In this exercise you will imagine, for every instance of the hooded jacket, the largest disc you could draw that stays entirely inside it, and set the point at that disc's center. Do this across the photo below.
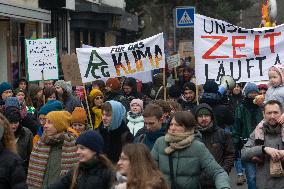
(220, 145)
(117, 134)
(247, 116)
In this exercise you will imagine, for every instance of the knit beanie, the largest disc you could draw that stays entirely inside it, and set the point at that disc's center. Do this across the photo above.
(4, 87)
(60, 119)
(137, 101)
(262, 87)
(113, 83)
(79, 115)
(210, 87)
(94, 93)
(61, 83)
(250, 87)
(203, 111)
(13, 114)
(12, 102)
(279, 68)
(189, 86)
(51, 105)
(92, 140)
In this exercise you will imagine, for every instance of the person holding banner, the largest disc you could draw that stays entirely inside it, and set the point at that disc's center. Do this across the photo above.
(113, 91)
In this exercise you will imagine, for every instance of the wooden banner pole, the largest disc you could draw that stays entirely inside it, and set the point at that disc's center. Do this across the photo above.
(164, 83)
(88, 109)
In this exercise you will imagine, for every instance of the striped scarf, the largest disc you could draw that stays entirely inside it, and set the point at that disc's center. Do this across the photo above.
(39, 159)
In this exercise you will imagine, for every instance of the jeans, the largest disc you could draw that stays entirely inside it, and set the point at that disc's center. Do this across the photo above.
(250, 169)
(238, 163)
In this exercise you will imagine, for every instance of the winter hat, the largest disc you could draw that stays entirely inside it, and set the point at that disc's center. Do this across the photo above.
(12, 114)
(250, 87)
(94, 93)
(113, 83)
(137, 101)
(92, 140)
(189, 86)
(79, 115)
(279, 69)
(62, 84)
(210, 87)
(33, 90)
(4, 87)
(262, 87)
(203, 111)
(51, 105)
(60, 119)
(12, 102)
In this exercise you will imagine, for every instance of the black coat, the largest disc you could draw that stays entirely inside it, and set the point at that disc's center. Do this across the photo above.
(95, 176)
(12, 174)
(115, 139)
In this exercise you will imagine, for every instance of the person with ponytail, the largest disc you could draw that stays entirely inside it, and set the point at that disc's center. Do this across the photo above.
(94, 169)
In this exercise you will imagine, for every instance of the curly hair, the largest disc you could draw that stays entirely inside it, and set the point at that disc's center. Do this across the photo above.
(8, 139)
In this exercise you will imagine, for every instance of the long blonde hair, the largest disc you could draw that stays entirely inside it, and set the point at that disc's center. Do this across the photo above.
(102, 158)
(8, 139)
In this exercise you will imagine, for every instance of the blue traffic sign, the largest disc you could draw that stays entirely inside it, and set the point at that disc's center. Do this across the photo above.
(185, 17)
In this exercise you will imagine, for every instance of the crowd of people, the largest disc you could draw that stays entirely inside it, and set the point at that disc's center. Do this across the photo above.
(131, 137)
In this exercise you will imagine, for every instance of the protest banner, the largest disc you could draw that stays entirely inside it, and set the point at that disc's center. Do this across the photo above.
(41, 59)
(122, 60)
(173, 61)
(70, 69)
(222, 49)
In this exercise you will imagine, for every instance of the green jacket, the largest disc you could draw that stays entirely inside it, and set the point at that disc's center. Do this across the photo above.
(246, 119)
(188, 164)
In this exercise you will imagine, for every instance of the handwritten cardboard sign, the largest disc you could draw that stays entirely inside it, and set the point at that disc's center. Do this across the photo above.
(173, 61)
(41, 59)
(71, 69)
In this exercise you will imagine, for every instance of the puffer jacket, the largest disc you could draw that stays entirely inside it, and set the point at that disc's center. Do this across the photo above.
(91, 175)
(275, 93)
(188, 164)
(135, 124)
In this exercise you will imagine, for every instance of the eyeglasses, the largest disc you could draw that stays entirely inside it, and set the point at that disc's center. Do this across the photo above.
(99, 98)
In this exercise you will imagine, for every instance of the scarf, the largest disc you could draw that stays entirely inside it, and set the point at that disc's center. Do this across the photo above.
(178, 141)
(204, 129)
(97, 111)
(50, 140)
(151, 137)
(261, 128)
(39, 158)
(134, 115)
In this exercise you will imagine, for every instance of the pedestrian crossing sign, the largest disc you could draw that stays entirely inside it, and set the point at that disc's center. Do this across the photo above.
(185, 17)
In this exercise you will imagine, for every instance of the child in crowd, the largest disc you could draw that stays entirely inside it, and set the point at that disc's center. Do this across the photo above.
(276, 87)
(79, 120)
(135, 117)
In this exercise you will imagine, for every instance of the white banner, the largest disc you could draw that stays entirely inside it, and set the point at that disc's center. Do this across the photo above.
(42, 59)
(222, 49)
(122, 60)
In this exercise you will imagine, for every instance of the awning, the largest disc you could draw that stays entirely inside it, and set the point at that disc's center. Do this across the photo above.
(85, 6)
(13, 11)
